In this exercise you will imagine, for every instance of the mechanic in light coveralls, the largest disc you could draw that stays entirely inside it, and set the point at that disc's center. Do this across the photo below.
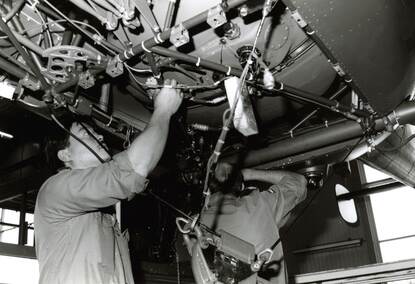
(75, 241)
(256, 217)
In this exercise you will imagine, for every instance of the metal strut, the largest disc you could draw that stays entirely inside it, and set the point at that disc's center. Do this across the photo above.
(324, 49)
(165, 35)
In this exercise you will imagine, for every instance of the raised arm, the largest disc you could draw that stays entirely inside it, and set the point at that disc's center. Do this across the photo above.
(287, 190)
(146, 150)
(272, 176)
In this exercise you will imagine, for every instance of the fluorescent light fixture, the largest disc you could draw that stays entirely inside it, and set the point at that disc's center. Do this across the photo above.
(6, 90)
(5, 135)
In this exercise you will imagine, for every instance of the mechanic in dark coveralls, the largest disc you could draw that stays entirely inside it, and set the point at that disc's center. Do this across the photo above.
(255, 217)
(75, 241)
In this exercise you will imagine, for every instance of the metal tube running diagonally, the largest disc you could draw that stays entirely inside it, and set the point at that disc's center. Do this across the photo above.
(24, 54)
(324, 49)
(15, 70)
(323, 137)
(197, 61)
(165, 35)
(282, 89)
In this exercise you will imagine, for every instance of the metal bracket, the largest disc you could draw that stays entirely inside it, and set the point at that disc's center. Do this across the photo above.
(64, 59)
(29, 83)
(263, 257)
(338, 69)
(147, 14)
(179, 35)
(391, 121)
(112, 21)
(115, 67)
(216, 17)
(86, 80)
(299, 19)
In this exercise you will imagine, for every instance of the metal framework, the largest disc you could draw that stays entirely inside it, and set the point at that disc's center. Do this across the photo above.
(374, 273)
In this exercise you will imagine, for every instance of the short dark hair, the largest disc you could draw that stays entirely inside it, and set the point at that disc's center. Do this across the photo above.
(59, 140)
(233, 185)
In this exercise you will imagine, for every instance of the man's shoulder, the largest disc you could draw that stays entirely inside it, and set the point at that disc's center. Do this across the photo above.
(54, 181)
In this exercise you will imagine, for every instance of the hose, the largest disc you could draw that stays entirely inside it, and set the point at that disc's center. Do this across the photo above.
(14, 10)
(24, 54)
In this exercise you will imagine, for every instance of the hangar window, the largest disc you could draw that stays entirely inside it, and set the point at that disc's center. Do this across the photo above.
(347, 208)
(11, 261)
(9, 227)
(393, 217)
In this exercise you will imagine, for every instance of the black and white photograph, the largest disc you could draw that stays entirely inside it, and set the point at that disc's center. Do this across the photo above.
(207, 141)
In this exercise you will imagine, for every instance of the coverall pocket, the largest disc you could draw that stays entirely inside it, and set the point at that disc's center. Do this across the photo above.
(107, 246)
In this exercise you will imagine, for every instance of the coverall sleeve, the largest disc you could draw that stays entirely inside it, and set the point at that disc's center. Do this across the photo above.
(75, 192)
(285, 195)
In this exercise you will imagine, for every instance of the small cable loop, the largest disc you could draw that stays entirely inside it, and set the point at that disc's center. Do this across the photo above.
(229, 71)
(221, 141)
(179, 226)
(109, 123)
(198, 61)
(158, 36)
(145, 48)
(126, 54)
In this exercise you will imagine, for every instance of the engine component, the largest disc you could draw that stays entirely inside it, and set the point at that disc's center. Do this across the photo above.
(30, 83)
(115, 67)
(216, 17)
(145, 11)
(179, 35)
(326, 136)
(243, 55)
(86, 80)
(231, 30)
(66, 59)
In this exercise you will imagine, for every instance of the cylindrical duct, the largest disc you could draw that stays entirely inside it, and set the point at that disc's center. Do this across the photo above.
(395, 156)
(326, 136)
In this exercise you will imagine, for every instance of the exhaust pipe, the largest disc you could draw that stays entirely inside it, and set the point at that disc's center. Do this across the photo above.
(339, 132)
(395, 156)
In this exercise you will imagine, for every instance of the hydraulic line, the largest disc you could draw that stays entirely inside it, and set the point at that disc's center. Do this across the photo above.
(28, 43)
(228, 70)
(288, 91)
(24, 54)
(16, 62)
(55, 13)
(213, 159)
(21, 31)
(326, 103)
(308, 116)
(85, 7)
(17, 6)
(104, 4)
(324, 49)
(170, 13)
(154, 68)
(303, 96)
(15, 70)
(165, 35)
(325, 136)
(67, 37)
